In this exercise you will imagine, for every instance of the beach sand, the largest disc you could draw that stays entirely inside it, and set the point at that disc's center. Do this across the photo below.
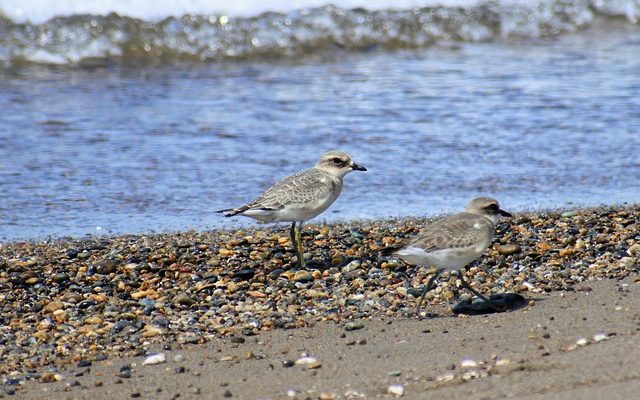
(531, 353)
(234, 318)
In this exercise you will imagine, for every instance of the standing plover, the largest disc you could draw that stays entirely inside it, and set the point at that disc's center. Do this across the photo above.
(451, 243)
(301, 196)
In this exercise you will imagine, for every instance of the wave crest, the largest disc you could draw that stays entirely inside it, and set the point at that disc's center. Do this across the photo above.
(86, 39)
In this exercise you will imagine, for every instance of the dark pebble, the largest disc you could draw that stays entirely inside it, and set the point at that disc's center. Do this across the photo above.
(288, 363)
(105, 267)
(244, 274)
(125, 372)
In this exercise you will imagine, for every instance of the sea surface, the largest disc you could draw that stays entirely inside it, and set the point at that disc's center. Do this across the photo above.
(139, 117)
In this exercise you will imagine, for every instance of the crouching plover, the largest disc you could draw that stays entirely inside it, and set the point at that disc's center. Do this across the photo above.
(301, 196)
(451, 243)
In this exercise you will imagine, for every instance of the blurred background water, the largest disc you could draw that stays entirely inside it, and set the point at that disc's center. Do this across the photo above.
(128, 117)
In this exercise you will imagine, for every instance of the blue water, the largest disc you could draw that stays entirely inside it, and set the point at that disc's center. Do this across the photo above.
(536, 123)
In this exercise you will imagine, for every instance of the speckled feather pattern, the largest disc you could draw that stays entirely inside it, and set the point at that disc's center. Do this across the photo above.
(458, 231)
(311, 188)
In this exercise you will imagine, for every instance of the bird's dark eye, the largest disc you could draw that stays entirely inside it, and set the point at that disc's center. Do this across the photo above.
(337, 161)
(492, 207)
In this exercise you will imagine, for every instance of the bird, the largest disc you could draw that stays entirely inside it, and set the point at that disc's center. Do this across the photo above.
(301, 196)
(451, 243)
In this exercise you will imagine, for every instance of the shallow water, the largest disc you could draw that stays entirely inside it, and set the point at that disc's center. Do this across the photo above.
(536, 123)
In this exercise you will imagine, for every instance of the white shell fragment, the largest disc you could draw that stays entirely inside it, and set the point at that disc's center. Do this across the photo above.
(581, 341)
(468, 363)
(396, 390)
(600, 336)
(154, 359)
(306, 360)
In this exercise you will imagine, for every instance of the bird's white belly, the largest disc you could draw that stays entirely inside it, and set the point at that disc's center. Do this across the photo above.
(449, 259)
(292, 212)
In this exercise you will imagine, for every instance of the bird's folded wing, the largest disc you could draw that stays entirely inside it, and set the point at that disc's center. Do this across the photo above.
(302, 188)
(462, 231)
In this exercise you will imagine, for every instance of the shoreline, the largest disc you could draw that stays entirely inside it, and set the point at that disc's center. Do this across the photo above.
(95, 300)
(247, 224)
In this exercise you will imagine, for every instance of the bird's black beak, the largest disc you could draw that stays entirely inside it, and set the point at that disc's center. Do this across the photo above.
(505, 213)
(357, 167)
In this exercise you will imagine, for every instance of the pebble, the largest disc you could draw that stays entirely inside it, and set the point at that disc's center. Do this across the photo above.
(509, 249)
(154, 359)
(104, 296)
(353, 326)
(178, 358)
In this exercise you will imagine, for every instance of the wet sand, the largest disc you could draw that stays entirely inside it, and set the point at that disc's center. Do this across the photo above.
(532, 353)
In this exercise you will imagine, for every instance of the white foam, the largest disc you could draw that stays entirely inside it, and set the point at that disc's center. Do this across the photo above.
(37, 11)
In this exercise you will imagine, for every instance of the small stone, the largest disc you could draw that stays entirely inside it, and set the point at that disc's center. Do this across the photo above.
(509, 249)
(154, 359)
(179, 358)
(105, 267)
(51, 377)
(353, 326)
(244, 274)
(256, 294)
(184, 300)
(124, 372)
(394, 373)
(566, 252)
(581, 341)
(303, 276)
(53, 306)
(227, 393)
(396, 390)
(634, 249)
(288, 363)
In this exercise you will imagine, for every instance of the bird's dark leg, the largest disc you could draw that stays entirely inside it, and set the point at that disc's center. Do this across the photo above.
(467, 286)
(294, 240)
(430, 285)
(292, 235)
(297, 232)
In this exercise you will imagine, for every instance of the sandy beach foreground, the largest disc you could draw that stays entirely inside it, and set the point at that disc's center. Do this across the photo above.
(233, 318)
(566, 345)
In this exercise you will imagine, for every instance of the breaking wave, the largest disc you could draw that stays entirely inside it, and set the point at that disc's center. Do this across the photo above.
(88, 39)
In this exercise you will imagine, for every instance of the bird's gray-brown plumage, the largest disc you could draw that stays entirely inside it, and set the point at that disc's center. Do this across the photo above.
(451, 243)
(301, 196)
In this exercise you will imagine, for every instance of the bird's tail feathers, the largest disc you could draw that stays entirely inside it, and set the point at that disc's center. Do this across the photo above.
(228, 212)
